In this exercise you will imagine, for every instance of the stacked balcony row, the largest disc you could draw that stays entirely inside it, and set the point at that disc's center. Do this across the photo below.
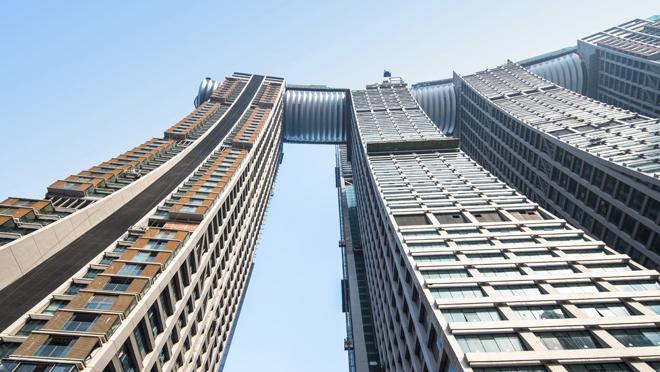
(229, 90)
(127, 271)
(73, 323)
(207, 113)
(19, 217)
(84, 314)
(115, 173)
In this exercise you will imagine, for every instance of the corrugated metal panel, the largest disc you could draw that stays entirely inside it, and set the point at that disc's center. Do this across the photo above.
(206, 87)
(438, 100)
(315, 116)
(565, 71)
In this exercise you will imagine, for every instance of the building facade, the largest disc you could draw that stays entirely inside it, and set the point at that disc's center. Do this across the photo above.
(465, 273)
(527, 241)
(596, 165)
(166, 294)
(624, 65)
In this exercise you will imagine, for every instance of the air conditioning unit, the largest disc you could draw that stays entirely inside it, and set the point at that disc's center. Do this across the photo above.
(348, 344)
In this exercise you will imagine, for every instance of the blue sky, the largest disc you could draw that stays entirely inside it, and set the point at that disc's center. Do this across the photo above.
(83, 81)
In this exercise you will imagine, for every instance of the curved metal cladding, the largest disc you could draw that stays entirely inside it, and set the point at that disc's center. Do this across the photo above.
(438, 100)
(315, 116)
(206, 87)
(565, 71)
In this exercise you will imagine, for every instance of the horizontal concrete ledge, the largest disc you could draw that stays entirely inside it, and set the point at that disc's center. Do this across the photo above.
(410, 146)
(489, 359)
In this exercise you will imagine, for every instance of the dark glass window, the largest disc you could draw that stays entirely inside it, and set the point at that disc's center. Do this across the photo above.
(116, 284)
(80, 322)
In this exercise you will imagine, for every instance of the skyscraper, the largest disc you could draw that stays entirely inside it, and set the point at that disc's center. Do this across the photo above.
(158, 283)
(624, 65)
(460, 238)
(594, 164)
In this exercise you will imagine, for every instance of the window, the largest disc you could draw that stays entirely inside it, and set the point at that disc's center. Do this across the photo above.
(655, 306)
(141, 339)
(419, 234)
(106, 260)
(490, 343)
(29, 326)
(164, 355)
(499, 271)
(156, 244)
(131, 269)
(187, 209)
(126, 358)
(100, 302)
(598, 367)
(568, 340)
(154, 319)
(543, 253)
(116, 284)
(576, 288)
(512, 369)
(637, 337)
(471, 315)
(586, 252)
(164, 234)
(485, 256)
(552, 269)
(434, 258)
(457, 292)
(80, 322)
(540, 312)
(426, 246)
(604, 310)
(605, 267)
(445, 274)
(56, 347)
(75, 288)
(517, 290)
(145, 256)
(91, 273)
(165, 300)
(53, 306)
(637, 285)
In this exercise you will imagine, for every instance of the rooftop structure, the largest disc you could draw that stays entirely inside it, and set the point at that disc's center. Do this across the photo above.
(624, 65)
(465, 273)
(596, 165)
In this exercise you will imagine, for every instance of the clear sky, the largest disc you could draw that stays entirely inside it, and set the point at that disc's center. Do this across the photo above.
(82, 81)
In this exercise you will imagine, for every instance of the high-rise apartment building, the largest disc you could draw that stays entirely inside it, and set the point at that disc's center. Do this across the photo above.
(624, 65)
(596, 165)
(466, 273)
(169, 267)
(492, 222)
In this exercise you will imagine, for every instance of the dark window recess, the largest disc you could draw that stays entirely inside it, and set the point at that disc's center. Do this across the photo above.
(447, 218)
(411, 219)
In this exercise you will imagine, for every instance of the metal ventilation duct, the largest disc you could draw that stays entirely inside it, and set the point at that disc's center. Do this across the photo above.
(315, 115)
(565, 71)
(206, 87)
(438, 100)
